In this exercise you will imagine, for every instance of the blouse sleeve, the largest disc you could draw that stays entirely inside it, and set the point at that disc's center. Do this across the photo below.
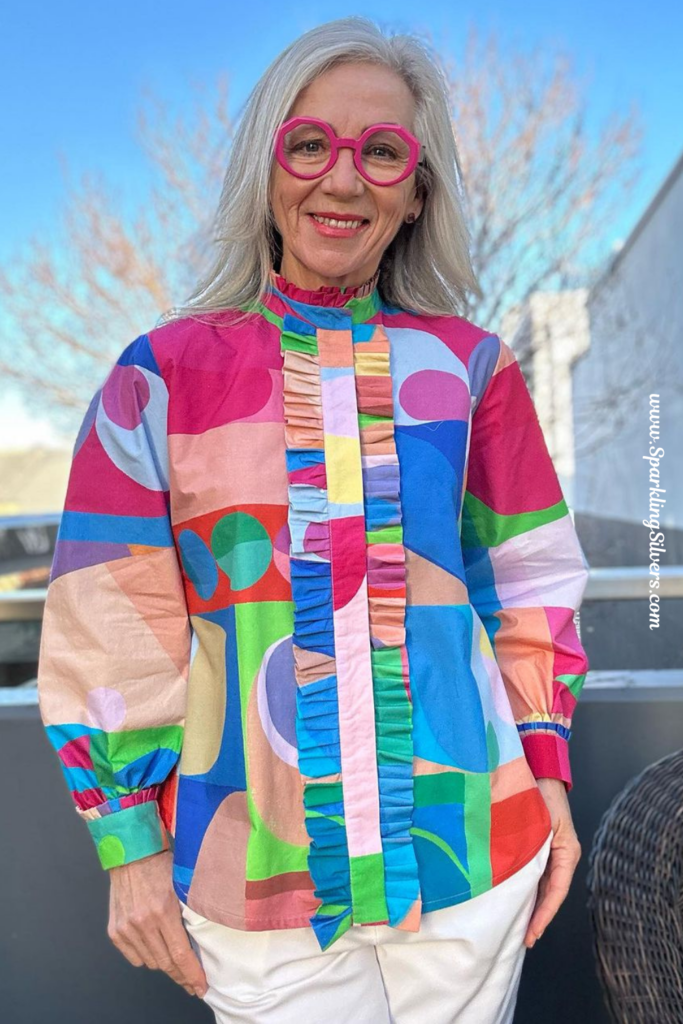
(115, 642)
(525, 569)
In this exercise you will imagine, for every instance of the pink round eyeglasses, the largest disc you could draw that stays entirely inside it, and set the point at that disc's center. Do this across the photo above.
(384, 154)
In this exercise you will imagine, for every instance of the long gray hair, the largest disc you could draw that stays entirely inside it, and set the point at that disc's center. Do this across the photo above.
(426, 267)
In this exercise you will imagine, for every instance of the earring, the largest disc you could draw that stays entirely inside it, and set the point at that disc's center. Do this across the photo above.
(410, 219)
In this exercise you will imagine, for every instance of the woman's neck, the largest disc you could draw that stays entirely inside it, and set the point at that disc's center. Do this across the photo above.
(301, 277)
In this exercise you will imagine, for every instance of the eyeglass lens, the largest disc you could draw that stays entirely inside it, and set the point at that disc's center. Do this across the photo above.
(307, 150)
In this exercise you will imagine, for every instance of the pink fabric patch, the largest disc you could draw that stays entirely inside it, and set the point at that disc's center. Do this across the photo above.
(124, 395)
(435, 395)
(317, 540)
(339, 404)
(76, 753)
(106, 708)
(281, 548)
(350, 559)
(358, 740)
(547, 756)
(507, 435)
(570, 658)
(314, 476)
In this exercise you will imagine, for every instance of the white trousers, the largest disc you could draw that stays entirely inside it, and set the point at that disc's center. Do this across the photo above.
(464, 965)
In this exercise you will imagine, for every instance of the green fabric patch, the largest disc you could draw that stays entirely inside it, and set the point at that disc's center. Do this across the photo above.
(393, 710)
(308, 343)
(368, 900)
(112, 852)
(387, 535)
(262, 310)
(367, 418)
(128, 835)
(478, 830)
(492, 747)
(439, 788)
(363, 309)
(112, 751)
(482, 527)
(574, 683)
(316, 793)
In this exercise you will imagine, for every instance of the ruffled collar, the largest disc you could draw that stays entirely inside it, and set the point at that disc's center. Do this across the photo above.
(326, 295)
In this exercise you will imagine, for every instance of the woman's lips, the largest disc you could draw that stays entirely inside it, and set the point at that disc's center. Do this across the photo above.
(336, 232)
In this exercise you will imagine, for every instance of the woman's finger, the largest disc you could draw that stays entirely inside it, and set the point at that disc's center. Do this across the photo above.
(142, 951)
(165, 947)
(181, 955)
(190, 970)
(552, 892)
(127, 942)
(172, 961)
(143, 908)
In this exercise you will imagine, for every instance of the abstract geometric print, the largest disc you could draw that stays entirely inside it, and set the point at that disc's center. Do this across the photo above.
(311, 612)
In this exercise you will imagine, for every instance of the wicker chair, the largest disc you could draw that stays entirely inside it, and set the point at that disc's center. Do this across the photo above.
(635, 903)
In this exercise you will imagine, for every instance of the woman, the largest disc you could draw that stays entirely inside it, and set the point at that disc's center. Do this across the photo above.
(311, 607)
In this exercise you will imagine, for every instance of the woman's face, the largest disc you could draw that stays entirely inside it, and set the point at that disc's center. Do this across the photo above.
(350, 98)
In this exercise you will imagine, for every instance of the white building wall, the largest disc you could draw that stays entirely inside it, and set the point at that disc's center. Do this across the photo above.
(636, 349)
(561, 335)
(548, 333)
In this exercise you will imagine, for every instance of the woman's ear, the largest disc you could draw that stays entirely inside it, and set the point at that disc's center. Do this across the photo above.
(417, 206)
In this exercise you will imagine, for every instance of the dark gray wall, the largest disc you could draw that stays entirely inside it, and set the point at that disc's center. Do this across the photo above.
(615, 735)
(58, 966)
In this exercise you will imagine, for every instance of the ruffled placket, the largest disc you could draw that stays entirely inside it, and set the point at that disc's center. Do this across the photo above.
(353, 700)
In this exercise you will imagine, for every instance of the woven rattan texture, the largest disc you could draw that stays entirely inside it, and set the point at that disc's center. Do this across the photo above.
(635, 899)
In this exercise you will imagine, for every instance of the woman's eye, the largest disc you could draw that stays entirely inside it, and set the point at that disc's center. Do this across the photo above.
(305, 146)
(384, 152)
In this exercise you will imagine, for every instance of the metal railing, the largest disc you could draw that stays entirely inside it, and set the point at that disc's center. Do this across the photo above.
(632, 582)
(22, 605)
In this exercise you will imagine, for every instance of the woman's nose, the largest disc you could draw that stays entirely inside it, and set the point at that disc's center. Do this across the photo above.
(344, 176)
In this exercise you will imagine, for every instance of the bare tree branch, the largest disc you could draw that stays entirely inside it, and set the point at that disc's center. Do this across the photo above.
(542, 188)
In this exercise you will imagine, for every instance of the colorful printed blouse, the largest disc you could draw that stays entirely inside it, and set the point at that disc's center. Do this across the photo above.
(311, 613)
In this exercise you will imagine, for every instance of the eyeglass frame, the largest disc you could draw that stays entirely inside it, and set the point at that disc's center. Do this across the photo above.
(337, 143)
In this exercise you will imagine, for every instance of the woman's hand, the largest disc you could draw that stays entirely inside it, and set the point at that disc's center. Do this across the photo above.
(565, 853)
(145, 922)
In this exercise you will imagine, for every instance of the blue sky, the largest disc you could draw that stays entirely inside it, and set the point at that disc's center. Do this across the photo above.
(71, 75)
